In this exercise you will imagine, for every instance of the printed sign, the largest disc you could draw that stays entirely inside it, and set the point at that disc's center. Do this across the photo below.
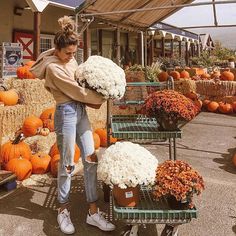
(11, 58)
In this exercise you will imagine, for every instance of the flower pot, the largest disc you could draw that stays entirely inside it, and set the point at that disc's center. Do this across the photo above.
(174, 204)
(128, 197)
(166, 123)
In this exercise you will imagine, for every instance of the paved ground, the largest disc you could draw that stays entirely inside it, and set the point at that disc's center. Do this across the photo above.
(208, 144)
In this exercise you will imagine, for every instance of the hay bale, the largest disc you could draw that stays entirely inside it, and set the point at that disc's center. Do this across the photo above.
(216, 88)
(184, 86)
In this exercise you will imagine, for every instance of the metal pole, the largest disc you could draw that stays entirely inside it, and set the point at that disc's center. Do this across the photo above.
(157, 8)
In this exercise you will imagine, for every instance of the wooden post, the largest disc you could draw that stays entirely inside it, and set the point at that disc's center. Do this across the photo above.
(99, 41)
(87, 47)
(151, 50)
(163, 47)
(171, 48)
(180, 48)
(117, 45)
(37, 24)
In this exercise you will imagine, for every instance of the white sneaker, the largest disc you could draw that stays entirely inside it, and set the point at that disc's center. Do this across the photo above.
(99, 221)
(64, 221)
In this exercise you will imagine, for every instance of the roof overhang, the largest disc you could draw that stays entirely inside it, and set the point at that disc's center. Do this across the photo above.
(139, 14)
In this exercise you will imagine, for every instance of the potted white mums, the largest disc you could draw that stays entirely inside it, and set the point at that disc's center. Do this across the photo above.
(103, 75)
(125, 166)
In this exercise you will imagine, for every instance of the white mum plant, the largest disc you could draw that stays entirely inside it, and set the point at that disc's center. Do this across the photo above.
(103, 75)
(127, 165)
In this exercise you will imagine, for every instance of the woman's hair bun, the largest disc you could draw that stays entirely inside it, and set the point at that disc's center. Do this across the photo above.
(67, 24)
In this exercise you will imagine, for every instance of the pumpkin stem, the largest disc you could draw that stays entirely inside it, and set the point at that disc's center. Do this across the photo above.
(19, 137)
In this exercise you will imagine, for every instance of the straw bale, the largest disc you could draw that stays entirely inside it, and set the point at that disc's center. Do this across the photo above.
(184, 86)
(41, 143)
(98, 117)
(32, 91)
(216, 88)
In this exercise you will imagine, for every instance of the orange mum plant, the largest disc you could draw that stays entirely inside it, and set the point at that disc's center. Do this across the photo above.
(169, 106)
(177, 179)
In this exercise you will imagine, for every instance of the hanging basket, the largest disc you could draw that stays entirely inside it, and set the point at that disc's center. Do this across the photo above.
(128, 197)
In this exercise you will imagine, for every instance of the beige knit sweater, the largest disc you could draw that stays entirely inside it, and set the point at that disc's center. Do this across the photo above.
(60, 80)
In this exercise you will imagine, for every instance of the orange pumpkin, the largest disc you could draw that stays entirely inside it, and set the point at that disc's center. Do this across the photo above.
(175, 74)
(40, 163)
(192, 95)
(47, 116)
(54, 165)
(102, 133)
(227, 75)
(9, 97)
(234, 106)
(30, 63)
(213, 106)
(14, 149)
(23, 72)
(21, 167)
(162, 76)
(205, 102)
(184, 74)
(97, 141)
(31, 126)
(205, 76)
(234, 159)
(225, 108)
(54, 151)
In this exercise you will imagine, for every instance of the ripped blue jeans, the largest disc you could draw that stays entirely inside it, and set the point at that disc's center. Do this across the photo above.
(72, 126)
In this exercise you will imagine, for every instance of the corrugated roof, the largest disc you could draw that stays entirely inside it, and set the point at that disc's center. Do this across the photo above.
(138, 19)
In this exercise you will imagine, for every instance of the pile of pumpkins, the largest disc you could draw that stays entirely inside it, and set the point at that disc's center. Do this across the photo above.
(16, 155)
(215, 74)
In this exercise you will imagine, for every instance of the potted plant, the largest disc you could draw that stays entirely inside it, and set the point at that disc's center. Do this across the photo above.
(177, 181)
(125, 166)
(169, 108)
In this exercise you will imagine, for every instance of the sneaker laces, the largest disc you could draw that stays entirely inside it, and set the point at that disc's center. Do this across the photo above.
(66, 218)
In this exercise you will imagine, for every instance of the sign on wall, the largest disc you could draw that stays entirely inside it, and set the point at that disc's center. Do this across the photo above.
(26, 39)
(11, 58)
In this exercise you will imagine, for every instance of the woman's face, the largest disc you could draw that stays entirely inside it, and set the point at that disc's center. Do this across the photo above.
(67, 53)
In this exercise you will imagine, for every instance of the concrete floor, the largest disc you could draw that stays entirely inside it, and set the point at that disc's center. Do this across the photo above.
(208, 143)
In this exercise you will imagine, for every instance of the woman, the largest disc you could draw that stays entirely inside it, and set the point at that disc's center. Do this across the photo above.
(72, 126)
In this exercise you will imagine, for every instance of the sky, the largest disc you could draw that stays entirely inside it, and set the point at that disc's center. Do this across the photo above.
(203, 15)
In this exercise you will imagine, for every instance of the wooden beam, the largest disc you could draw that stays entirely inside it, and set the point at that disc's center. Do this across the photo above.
(117, 45)
(37, 24)
(87, 44)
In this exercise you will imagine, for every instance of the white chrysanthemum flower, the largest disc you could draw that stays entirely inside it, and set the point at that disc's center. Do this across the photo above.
(127, 165)
(103, 75)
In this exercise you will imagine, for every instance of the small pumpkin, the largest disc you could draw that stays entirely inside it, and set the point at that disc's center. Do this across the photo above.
(40, 163)
(31, 126)
(234, 159)
(54, 165)
(44, 131)
(54, 151)
(97, 141)
(9, 97)
(102, 133)
(175, 74)
(47, 116)
(184, 74)
(213, 106)
(21, 167)
(192, 95)
(14, 149)
(227, 75)
(23, 72)
(162, 76)
(225, 108)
